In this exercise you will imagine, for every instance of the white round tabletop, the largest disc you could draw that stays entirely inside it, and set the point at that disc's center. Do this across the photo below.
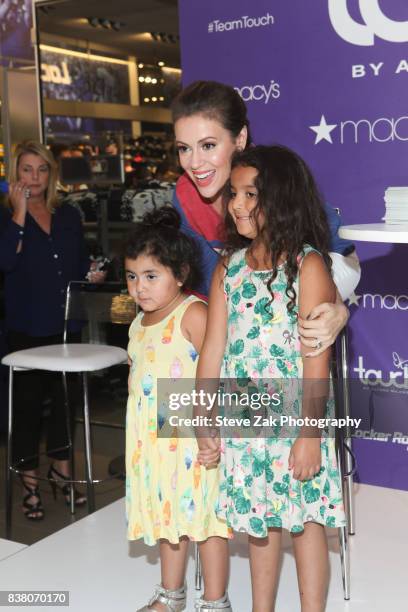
(375, 232)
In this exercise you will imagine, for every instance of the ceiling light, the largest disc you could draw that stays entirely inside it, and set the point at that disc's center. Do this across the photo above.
(93, 21)
(154, 81)
(141, 79)
(154, 99)
(161, 98)
(105, 23)
(165, 38)
(160, 63)
(116, 25)
(148, 79)
(140, 65)
(146, 99)
(87, 56)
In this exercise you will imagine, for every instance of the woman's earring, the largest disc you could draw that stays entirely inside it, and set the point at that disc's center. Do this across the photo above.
(179, 283)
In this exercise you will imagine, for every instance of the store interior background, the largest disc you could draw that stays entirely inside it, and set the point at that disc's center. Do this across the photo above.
(108, 74)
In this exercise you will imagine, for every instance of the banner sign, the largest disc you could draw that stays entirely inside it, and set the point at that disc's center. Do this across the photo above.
(73, 128)
(329, 79)
(67, 75)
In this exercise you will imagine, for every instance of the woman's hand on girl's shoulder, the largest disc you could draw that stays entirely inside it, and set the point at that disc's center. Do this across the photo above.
(193, 324)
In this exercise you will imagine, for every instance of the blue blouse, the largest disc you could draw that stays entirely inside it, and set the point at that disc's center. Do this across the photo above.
(36, 279)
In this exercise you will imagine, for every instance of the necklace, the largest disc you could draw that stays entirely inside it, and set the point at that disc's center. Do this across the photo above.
(170, 303)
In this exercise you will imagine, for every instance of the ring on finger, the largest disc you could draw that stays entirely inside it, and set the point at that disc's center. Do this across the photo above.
(319, 344)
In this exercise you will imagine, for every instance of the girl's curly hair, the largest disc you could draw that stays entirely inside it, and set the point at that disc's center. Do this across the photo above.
(291, 205)
(158, 234)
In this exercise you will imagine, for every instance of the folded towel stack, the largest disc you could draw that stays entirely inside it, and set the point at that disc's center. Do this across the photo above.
(396, 205)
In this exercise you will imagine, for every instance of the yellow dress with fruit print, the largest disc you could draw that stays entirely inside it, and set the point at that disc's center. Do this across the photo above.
(168, 493)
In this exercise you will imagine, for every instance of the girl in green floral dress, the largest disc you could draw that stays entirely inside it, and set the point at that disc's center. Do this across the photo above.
(276, 267)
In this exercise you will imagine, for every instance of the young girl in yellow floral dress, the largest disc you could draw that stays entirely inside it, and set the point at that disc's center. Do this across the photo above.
(170, 497)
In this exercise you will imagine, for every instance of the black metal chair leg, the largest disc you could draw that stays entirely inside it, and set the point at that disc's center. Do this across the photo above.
(9, 480)
(68, 421)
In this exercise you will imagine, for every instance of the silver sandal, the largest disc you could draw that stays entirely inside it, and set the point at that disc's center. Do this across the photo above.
(174, 600)
(219, 604)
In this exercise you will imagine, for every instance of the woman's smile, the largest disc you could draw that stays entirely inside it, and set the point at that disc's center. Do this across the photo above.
(203, 179)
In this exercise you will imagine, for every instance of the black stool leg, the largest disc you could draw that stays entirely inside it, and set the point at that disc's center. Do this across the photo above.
(88, 448)
(9, 481)
(69, 440)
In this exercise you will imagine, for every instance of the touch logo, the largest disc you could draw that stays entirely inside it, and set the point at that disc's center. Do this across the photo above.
(375, 24)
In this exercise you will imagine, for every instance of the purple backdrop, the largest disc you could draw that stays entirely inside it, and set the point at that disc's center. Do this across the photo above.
(329, 79)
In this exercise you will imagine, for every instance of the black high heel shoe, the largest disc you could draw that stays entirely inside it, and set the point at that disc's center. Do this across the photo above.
(53, 476)
(32, 512)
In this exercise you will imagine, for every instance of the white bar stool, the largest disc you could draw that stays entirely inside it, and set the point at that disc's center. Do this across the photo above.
(105, 303)
(80, 358)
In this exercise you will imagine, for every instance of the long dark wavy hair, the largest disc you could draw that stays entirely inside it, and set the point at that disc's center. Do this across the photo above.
(291, 205)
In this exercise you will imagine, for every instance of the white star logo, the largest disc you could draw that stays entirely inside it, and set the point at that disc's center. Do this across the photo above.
(323, 130)
(354, 298)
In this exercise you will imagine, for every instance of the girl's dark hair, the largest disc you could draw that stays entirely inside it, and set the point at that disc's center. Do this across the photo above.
(214, 101)
(158, 234)
(289, 200)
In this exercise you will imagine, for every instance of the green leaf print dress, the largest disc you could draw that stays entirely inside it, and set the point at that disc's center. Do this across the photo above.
(257, 490)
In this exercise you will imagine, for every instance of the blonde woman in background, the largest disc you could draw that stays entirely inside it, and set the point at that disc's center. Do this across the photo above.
(41, 249)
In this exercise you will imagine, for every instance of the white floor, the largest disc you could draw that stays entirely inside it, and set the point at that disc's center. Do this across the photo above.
(93, 561)
(8, 548)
